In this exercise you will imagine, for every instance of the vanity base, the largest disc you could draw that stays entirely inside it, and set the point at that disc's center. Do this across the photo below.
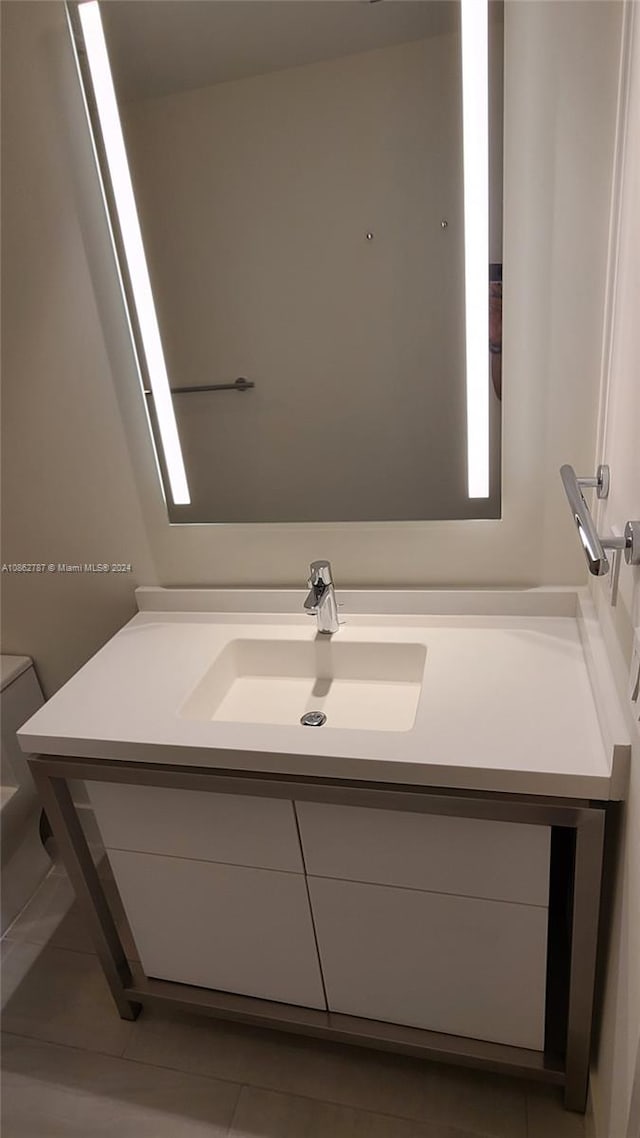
(573, 930)
(338, 1028)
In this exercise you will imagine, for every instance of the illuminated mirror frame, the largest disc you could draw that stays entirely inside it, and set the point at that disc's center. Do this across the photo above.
(130, 248)
(139, 292)
(475, 146)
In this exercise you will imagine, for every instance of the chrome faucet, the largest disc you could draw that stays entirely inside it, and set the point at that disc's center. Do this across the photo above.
(321, 601)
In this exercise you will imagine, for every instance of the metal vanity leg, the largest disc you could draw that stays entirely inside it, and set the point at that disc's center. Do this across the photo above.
(75, 853)
(584, 944)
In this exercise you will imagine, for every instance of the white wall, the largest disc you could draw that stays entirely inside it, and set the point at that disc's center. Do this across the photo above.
(71, 353)
(617, 1058)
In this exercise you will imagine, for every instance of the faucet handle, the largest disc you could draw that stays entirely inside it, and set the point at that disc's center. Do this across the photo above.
(320, 573)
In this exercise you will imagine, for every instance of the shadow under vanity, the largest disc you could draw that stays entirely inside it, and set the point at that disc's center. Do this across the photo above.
(376, 892)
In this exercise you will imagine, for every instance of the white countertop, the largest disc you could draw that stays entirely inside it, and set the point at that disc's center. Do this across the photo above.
(517, 696)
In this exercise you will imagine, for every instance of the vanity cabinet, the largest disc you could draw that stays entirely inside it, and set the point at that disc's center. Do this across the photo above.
(454, 925)
(430, 921)
(433, 892)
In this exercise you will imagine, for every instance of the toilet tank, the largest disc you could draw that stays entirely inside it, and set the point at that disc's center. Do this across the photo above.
(23, 858)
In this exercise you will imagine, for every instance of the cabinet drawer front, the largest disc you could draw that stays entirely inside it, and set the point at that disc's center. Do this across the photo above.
(503, 861)
(221, 926)
(453, 964)
(228, 828)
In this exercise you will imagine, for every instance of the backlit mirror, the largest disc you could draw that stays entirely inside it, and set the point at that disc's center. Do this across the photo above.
(315, 309)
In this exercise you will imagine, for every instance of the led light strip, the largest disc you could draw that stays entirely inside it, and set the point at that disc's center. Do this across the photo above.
(475, 133)
(107, 107)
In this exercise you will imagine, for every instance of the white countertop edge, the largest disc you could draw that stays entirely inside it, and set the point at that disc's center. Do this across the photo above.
(615, 734)
(543, 601)
(550, 784)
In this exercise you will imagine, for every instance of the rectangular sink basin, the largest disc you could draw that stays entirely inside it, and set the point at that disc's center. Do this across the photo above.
(364, 686)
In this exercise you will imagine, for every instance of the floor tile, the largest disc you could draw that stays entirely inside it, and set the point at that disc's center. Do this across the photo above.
(275, 1060)
(547, 1117)
(268, 1114)
(347, 1076)
(53, 915)
(60, 1092)
(486, 1104)
(62, 996)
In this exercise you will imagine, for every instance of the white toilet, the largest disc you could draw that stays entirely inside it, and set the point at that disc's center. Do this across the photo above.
(24, 859)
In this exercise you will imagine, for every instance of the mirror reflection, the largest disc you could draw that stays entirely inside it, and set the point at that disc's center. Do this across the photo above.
(297, 169)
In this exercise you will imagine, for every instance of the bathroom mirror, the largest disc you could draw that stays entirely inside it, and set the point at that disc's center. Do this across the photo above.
(297, 170)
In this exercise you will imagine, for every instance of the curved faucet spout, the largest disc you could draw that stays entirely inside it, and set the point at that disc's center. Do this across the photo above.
(312, 600)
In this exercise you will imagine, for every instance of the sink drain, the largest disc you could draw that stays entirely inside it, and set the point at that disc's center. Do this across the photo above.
(313, 719)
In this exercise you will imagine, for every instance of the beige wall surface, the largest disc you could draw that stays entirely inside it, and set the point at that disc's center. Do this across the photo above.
(72, 399)
(617, 1064)
(68, 494)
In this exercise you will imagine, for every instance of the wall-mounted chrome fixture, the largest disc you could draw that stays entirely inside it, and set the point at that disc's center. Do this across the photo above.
(594, 546)
(239, 384)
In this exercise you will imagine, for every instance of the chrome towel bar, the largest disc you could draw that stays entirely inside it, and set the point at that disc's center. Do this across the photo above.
(594, 546)
(240, 384)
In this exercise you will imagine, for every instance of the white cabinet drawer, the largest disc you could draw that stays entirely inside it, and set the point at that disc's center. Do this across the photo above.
(504, 861)
(221, 926)
(453, 964)
(230, 828)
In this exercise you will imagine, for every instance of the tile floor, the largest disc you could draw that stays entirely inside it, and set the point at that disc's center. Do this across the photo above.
(72, 1069)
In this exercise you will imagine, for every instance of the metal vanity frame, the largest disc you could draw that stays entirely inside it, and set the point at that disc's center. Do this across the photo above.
(578, 827)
